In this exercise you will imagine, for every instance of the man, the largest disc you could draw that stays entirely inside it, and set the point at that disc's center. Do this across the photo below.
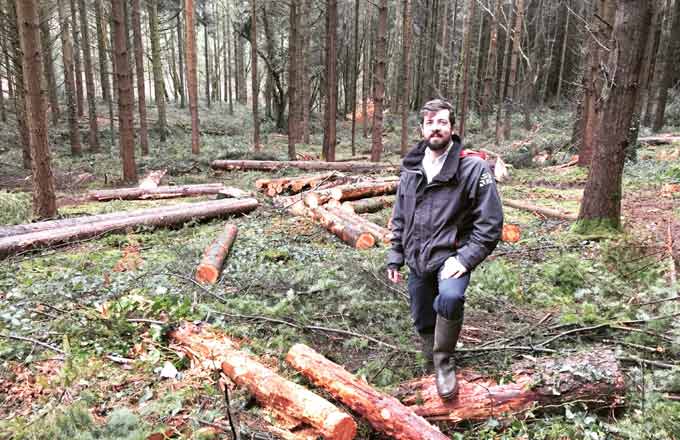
(447, 219)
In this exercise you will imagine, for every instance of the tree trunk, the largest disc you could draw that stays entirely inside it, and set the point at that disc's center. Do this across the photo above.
(304, 68)
(227, 57)
(101, 52)
(502, 81)
(330, 111)
(210, 267)
(541, 383)
(351, 192)
(157, 63)
(407, 25)
(491, 61)
(46, 43)
(69, 82)
(20, 101)
(93, 134)
(371, 204)
(353, 234)
(139, 64)
(44, 201)
(124, 85)
(270, 389)
(466, 67)
(385, 413)
(253, 78)
(379, 78)
(293, 81)
(159, 192)
(174, 214)
(7, 40)
(670, 71)
(206, 57)
(380, 234)
(602, 195)
(512, 77)
(565, 39)
(271, 165)
(192, 80)
(77, 63)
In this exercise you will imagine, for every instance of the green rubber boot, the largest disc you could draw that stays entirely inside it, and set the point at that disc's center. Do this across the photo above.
(445, 338)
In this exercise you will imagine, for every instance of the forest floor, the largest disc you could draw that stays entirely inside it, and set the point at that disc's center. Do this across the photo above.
(115, 296)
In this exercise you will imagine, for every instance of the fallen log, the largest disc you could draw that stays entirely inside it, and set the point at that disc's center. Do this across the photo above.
(175, 214)
(659, 140)
(372, 204)
(350, 233)
(159, 192)
(230, 192)
(214, 255)
(315, 165)
(548, 212)
(351, 192)
(594, 378)
(381, 234)
(385, 413)
(294, 185)
(271, 390)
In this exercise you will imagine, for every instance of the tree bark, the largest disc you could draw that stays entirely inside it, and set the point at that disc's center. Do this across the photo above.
(405, 69)
(93, 133)
(192, 79)
(502, 81)
(174, 214)
(543, 382)
(602, 195)
(180, 58)
(293, 185)
(379, 85)
(46, 43)
(350, 192)
(385, 413)
(69, 82)
(159, 192)
(210, 267)
(371, 204)
(44, 200)
(491, 61)
(293, 81)
(101, 52)
(670, 71)
(355, 75)
(157, 67)
(124, 83)
(253, 78)
(228, 57)
(20, 101)
(271, 165)
(547, 212)
(77, 63)
(380, 234)
(305, 80)
(139, 64)
(466, 67)
(351, 233)
(330, 111)
(270, 389)
(512, 77)
(563, 55)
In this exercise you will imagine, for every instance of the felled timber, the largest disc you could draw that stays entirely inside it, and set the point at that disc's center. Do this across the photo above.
(230, 192)
(313, 165)
(385, 413)
(210, 349)
(159, 192)
(594, 378)
(547, 212)
(173, 215)
(659, 140)
(350, 233)
(351, 192)
(294, 185)
(371, 204)
(210, 267)
(381, 234)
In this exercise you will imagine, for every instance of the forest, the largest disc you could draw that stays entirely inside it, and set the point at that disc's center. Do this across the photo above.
(197, 202)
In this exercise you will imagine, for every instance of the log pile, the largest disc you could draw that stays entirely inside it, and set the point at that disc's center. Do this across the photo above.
(38, 235)
(211, 350)
(210, 267)
(351, 233)
(352, 192)
(372, 204)
(293, 185)
(310, 165)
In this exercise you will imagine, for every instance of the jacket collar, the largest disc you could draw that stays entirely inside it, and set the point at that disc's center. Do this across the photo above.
(414, 159)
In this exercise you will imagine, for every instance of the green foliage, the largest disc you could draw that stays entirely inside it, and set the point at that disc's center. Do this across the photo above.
(15, 208)
(492, 280)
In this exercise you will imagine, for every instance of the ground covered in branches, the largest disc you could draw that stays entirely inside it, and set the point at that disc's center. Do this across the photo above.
(89, 319)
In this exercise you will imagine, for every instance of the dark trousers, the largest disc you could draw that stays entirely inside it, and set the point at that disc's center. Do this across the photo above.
(431, 296)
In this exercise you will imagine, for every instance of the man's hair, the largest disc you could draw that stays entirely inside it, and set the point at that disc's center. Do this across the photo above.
(436, 105)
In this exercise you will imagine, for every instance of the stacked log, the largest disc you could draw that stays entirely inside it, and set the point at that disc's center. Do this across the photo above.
(381, 234)
(210, 267)
(351, 192)
(372, 204)
(271, 390)
(167, 216)
(293, 185)
(273, 165)
(350, 233)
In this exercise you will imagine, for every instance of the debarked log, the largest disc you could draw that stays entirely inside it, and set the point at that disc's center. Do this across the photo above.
(592, 378)
(385, 413)
(214, 255)
(270, 389)
(174, 214)
(272, 165)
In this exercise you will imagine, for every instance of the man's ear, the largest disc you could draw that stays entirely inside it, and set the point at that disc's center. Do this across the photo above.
(422, 131)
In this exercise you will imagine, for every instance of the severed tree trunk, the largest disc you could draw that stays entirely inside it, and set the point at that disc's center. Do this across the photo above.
(372, 204)
(603, 192)
(466, 66)
(512, 77)
(351, 192)
(139, 66)
(210, 267)
(351, 233)
(192, 79)
(77, 63)
(93, 134)
(379, 86)
(48, 61)
(331, 94)
(44, 200)
(20, 109)
(407, 25)
(670, 71)
(159, 192)
(124, 86)
(69, 82)
(253, 78)
(157, 67)
(385, 413)
(491, 61)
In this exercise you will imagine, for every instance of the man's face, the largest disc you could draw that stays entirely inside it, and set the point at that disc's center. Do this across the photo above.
(437, 129)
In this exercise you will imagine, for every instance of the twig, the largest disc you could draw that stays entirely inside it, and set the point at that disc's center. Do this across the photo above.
(34, 341)
(637, 330)
(235, 432)
(636, 346)
(672, 298)
(357, 335)
(646, 361)
(197, 284)
(672, 272)
(146, 321)
(506, 348)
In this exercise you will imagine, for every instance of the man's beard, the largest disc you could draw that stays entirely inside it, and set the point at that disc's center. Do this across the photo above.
(438, 146)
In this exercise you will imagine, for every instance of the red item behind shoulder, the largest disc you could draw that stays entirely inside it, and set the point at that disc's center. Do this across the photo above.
(479, 154)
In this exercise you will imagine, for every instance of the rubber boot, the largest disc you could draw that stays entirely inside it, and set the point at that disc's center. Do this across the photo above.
(427, 345)
(445, 338)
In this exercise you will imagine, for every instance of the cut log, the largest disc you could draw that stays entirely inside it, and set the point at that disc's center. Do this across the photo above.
(385, 413)
(211, 265)
(354, 159)
(270, 389)
(351, 192)
(381, 234)
(372, 204)
(160, 192)
(152, 179)
(659, 140)
(230, 192)
(351, 234)
(594, 378)
(314, 165)
(173, 215)
(547, 212)
(294, 185)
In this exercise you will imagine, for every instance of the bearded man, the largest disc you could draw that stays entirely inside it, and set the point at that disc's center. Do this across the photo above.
(447, 219)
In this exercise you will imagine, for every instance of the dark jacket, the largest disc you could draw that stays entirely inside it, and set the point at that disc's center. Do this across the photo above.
(458, 213)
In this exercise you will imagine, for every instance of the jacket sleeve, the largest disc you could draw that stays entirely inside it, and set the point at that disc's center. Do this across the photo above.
(395, 257)
(487, 219)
